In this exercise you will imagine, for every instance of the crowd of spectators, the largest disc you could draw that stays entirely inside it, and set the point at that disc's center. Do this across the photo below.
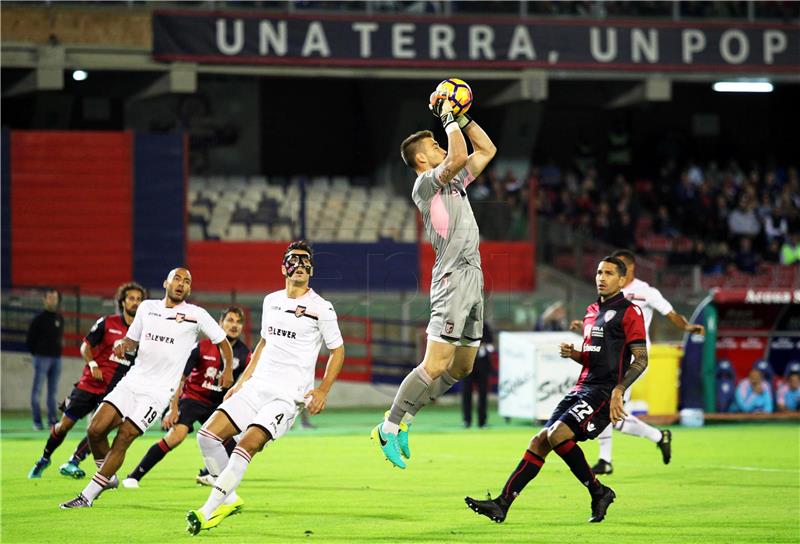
(720, 218)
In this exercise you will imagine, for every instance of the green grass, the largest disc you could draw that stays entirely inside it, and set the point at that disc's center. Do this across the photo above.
(726, 483)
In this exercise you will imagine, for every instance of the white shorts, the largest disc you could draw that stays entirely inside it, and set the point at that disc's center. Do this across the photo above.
(256, 404)
(138, 403)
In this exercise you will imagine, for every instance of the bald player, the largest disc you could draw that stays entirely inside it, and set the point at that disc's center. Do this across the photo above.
(165, 331)
(456, 324)
(649, 299)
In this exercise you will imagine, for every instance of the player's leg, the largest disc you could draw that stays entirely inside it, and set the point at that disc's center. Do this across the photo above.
(526, 470)
(584, 420)
(106, 419)
(271, 422)
(39, 374)
(605, 443)
(72, 467)
(58, 433)
(156, 453)
(634, 426)
(78, 405)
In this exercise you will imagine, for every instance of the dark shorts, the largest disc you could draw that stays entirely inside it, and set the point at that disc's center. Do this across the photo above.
(80, 404)
(587, 413)
(193, 410)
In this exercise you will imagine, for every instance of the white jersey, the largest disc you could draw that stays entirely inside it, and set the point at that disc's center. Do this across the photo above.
(648, 299)
(166, 337)
(294, 329)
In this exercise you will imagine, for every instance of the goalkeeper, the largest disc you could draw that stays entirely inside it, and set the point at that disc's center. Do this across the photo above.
(456, 322)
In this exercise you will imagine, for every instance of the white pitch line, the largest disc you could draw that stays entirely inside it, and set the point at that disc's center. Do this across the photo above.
(750, 469)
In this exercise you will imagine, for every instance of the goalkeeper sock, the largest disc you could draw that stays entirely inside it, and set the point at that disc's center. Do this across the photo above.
(436, 389)
(409, 393)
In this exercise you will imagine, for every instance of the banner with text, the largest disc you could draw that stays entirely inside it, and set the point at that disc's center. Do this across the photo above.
(352, 40)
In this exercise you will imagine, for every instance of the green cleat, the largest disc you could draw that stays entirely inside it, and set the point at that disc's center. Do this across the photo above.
(388, 445)
(402, 437)
(71, 470)
(227, 510)
(402, 440)
(38, 468)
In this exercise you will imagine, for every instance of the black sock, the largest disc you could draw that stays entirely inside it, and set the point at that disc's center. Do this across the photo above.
(573, 456)
(53, 442)
(81, 451)
(229, 445)
(526, 470)
(155, 454)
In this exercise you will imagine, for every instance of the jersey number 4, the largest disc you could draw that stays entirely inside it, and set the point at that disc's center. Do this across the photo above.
(581, 410)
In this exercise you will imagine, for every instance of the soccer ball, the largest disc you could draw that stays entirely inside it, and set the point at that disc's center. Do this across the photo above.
(457, 91)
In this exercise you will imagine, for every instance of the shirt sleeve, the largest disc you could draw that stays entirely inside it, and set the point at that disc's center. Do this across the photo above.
(191, 362)
(96, 333)
(135, 330)
(209, 327)
(633, 326)
(329, 327)
(658, 302)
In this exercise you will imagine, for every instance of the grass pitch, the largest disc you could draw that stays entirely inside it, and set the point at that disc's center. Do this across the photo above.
(726, 483)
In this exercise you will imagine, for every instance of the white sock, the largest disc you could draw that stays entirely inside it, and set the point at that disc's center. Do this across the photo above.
(94, 487)
(634, 426)
(214, 454)
(390, 428)
(605, 444)
(227, 481)
(408, 418)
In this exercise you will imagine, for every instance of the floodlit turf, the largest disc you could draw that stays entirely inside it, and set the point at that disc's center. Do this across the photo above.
(726, 483)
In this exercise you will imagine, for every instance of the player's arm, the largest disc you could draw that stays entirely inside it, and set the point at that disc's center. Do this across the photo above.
(456, 158)
(638, 366)
(683, 324)
(483, 149)
(88, 358)
(319, 395)
(226, 351)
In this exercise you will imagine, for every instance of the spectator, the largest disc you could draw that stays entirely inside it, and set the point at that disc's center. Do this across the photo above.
(553, 318)
(789, 393)
(663, 223)
(44, 341)
(775, 226)
(753, 394)
(743, 221)
(746, 260)
(479, 376)
(790, 250)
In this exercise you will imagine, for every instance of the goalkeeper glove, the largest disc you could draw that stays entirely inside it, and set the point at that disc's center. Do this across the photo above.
(440, 107)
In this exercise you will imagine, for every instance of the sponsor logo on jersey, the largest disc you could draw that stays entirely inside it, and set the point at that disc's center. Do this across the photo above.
(274, 307)
(597, 332)
(155, 314)
(299, 311)
(609, 315)
(275, 331)
(159, 338)
(592, 348)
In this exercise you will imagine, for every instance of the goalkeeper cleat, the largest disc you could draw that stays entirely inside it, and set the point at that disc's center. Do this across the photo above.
(196, 522)
(494, 509)
(665, 445)
(38, 468)
(227, 510)
(78, 502)
(402, 440)
(388, 444)
(71, 470)
(402, 437)
(600, 503)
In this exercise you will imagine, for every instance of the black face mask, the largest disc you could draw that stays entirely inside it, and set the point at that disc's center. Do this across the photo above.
(293, 261)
